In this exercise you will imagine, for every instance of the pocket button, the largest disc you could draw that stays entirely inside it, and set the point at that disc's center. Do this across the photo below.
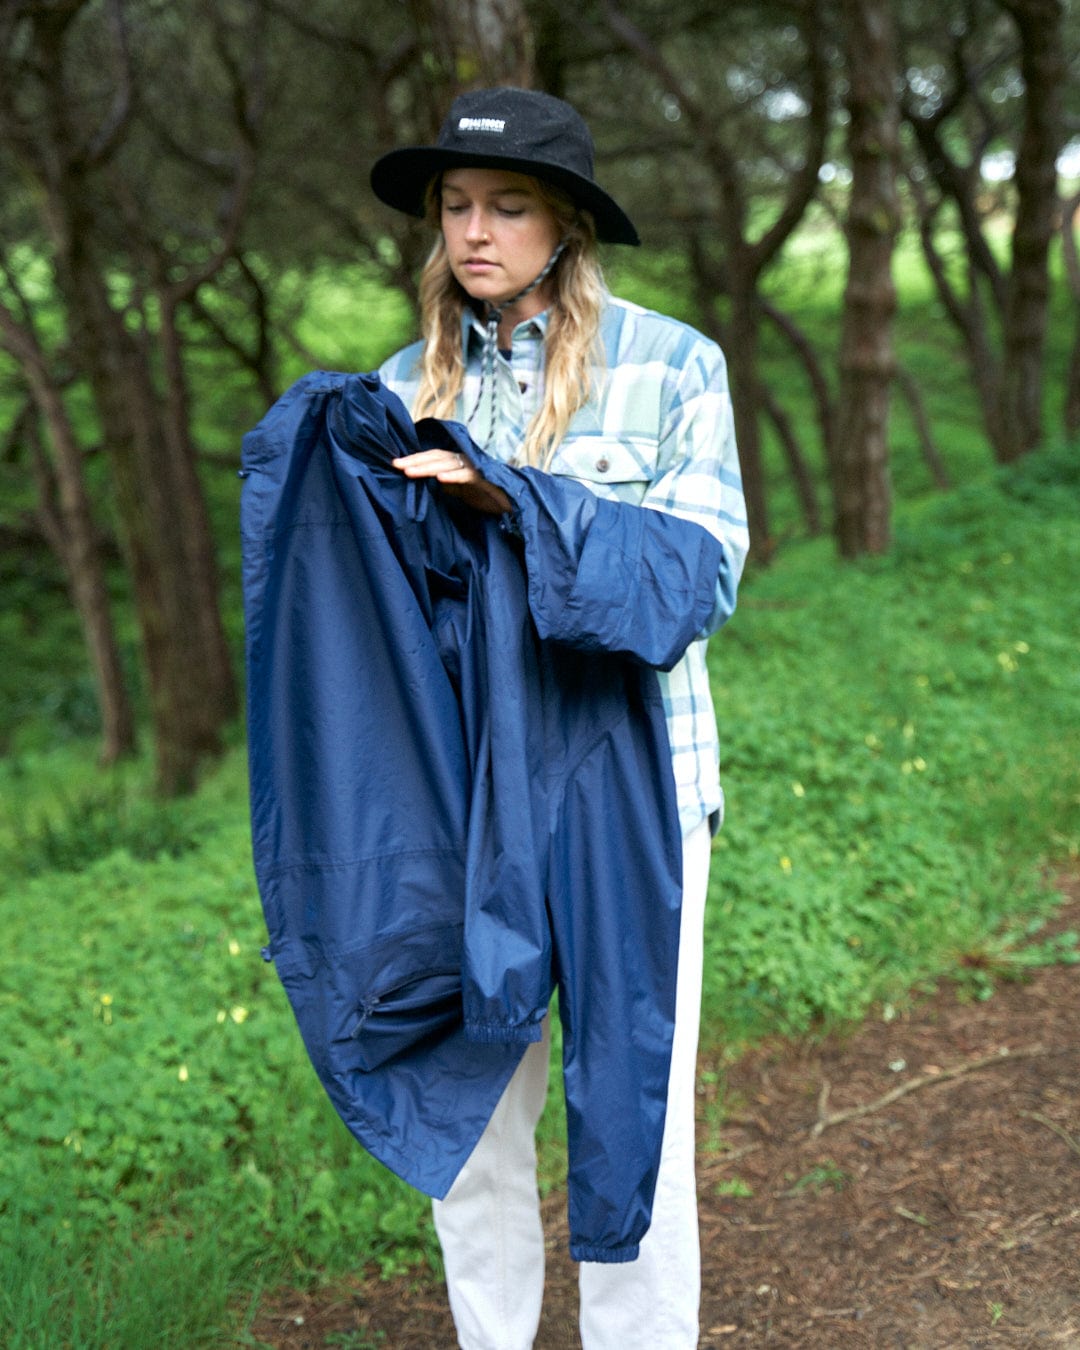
(603, 464)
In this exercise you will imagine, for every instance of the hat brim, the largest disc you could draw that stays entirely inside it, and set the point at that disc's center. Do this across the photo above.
(401, 177)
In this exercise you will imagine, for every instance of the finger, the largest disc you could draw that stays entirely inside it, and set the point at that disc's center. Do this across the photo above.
(424, 461)
(422, 457)
(432, 463)
(459, 473)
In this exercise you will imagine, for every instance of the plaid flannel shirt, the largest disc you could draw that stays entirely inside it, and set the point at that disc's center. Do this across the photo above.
(658, 432)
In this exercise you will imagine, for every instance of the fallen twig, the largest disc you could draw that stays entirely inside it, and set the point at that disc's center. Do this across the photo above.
(721, 1160)
(1052, 1125)
(925, 1080)
(912, 1217)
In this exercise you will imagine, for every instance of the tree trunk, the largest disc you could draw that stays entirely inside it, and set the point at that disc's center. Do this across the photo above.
(162, 518)
(196, 532)
(967, 313)
(1071, 410)
(747, 403)
(746, 257)
(1042, 64)
(1006, 347)
(159, 504)
(166, 538)
(73, 537)
(867, 362)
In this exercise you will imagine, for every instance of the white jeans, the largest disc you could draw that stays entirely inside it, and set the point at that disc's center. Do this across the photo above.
(489, 1224)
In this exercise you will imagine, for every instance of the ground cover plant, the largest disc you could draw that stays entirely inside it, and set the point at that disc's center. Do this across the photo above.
(898, 771)
(903, 759)
(901, 766)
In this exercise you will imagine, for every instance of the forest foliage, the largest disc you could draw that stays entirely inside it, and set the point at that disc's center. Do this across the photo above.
(181, 177)
(899, 731)
(902, 781)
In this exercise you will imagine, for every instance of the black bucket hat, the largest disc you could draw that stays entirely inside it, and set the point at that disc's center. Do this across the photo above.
(518, 129)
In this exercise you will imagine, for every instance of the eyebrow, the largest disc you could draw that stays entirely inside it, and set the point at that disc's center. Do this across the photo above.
(497, 192)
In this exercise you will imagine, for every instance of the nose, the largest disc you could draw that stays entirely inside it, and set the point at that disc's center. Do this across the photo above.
(476, 230)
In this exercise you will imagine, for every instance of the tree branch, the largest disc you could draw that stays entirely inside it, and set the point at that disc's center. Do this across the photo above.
(247, 102)
(110, 134)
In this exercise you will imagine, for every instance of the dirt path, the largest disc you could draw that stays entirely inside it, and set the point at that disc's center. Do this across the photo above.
(946, 1216)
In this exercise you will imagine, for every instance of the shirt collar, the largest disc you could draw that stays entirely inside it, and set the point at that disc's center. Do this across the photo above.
(472, 327)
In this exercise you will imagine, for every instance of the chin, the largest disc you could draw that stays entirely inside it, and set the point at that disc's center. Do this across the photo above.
(481, 292)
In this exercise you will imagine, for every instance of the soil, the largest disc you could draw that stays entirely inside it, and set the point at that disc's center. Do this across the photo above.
(913, 1183)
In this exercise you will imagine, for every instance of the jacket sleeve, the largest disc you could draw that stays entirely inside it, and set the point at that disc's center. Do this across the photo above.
(640, 579)
(606, 575)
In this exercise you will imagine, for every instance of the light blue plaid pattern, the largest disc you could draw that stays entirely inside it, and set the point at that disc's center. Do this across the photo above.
(658, 433)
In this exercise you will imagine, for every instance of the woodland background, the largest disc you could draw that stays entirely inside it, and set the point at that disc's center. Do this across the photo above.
(176, 175)
(873, 208)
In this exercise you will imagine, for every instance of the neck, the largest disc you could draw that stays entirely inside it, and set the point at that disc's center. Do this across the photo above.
(517, 312)
(529, 302)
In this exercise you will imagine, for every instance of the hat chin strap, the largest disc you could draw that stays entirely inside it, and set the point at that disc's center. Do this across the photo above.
(491, 340)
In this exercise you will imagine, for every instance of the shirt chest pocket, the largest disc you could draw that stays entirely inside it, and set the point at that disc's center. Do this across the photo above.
(621, 467)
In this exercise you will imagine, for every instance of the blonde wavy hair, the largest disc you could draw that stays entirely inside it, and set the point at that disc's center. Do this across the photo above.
(573, 353)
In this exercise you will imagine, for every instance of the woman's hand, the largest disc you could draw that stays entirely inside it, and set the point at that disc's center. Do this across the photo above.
(459, 477)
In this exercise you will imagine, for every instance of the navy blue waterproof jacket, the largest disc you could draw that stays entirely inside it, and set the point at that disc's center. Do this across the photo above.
(461, 789)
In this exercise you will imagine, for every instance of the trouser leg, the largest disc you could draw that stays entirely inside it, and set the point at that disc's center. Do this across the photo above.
(653, 1303)
(489, 1224)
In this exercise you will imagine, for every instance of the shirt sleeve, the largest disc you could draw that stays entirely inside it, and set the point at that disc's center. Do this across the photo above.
(400, 373)
(699, 476)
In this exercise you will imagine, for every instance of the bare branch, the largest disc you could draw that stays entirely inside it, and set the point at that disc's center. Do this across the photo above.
(1051, 1125)
(260, 359)
(720, 159)
(1004, 1055)
(909, 387)
(803, 185)
(329, 37)
(823, 399)
(110, 134)
(247, 100)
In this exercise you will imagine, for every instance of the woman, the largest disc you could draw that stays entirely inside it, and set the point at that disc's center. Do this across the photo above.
(523, 342)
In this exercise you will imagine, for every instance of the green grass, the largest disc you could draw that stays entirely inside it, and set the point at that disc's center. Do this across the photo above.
(159, 1114)
(901, 761)
(901, 748)
(900, 758)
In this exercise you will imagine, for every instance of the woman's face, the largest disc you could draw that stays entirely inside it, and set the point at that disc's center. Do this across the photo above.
(499, 234)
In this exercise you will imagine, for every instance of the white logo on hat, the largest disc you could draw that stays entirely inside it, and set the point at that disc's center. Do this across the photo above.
(493, 124)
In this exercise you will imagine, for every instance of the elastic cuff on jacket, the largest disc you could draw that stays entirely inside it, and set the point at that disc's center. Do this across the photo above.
(609, 1256)
(501, 1033)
